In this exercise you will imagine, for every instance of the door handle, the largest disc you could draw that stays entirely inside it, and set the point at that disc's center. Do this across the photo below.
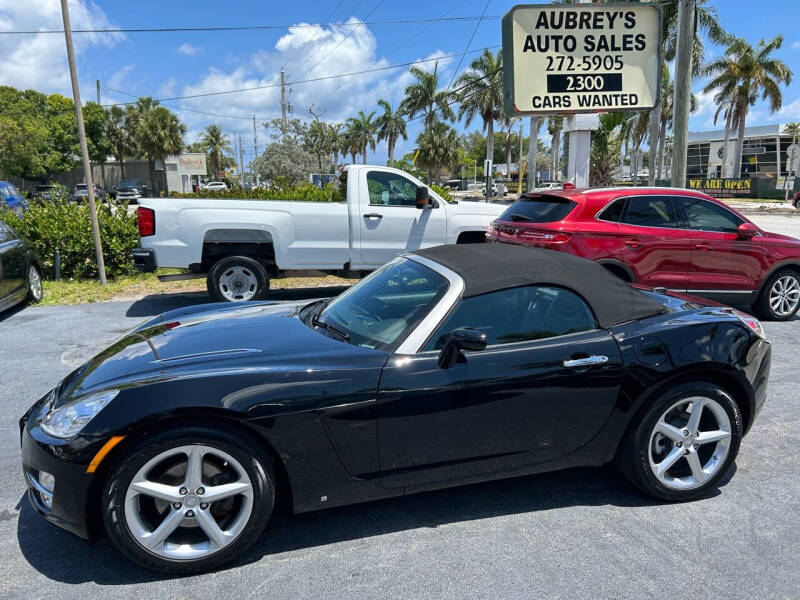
(703, 247)
(633, 244)
(597, 359)
(373, 216)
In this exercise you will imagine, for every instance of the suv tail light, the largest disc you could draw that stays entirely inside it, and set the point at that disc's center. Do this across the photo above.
(147, 221)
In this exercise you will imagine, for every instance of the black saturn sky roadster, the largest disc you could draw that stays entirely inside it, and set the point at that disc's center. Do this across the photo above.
(449, 365)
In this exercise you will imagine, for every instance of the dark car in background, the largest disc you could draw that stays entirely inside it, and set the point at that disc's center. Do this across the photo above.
(80, 193)
(44, 192)
(679, 239)
(20, 271)
(449, 365)
(129, 190)
(11, 198)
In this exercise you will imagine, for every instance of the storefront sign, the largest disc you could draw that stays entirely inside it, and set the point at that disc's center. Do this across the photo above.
(721, 188)
(567, 58)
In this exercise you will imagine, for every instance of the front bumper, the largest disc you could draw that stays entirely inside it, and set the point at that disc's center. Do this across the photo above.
(144, 259)
(66, 460)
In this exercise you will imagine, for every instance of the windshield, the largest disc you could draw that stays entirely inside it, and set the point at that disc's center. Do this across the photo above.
(381, 309)
(128, 184)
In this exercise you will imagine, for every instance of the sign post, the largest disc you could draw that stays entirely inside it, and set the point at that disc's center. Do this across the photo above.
(570, 59)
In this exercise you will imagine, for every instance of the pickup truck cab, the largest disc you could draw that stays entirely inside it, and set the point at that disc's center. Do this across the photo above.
(241, 244)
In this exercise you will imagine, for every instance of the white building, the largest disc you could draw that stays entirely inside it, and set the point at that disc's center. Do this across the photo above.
(184, 171)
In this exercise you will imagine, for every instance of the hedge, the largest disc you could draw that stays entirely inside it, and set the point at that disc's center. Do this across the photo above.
(306, 192)
(66, 226)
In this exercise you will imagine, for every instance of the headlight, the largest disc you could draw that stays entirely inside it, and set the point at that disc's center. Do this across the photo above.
(68, 420)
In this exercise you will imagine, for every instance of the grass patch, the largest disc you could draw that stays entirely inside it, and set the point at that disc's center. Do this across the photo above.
(81, 291)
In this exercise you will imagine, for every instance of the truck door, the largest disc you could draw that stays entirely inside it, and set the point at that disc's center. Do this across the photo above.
(390, 222)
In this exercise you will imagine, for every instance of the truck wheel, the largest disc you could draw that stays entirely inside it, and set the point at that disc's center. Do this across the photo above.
(237, 279)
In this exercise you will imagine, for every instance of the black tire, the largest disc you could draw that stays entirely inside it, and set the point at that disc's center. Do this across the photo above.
(257, 465)
(34, 297)
(633, 454)
(762, 306)
(218, 270)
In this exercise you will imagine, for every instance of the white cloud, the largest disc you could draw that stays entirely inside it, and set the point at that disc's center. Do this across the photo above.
(189, 50)
(39, 60)
(790, 112)
(117, 80)
(796, 45)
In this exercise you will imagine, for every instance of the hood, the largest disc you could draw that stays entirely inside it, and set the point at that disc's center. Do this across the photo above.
(779, 237)
(210, 340)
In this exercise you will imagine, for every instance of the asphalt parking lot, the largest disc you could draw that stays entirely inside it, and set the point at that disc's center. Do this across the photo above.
(580, 533)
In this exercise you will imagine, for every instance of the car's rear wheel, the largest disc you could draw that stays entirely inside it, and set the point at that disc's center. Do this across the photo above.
(189, 500)
(35, 289)
(684, 443)
(780, 296)
(237, 279)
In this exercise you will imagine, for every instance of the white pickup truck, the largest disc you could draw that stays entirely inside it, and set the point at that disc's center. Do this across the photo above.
(241, 244)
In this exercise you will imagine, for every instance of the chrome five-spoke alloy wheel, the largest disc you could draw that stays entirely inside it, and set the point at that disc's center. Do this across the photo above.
(784, 295)
(34, 283)
(238, 283)
(690, 443)
(188, 502)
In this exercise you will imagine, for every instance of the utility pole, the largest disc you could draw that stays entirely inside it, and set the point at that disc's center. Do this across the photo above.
(87, 166)
(103, 163)
(683, 91)
(283, 102)
(241, 160)
(519, 158)
(255, 149)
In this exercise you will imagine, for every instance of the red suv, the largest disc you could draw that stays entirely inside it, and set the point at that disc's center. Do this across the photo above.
(678, 239)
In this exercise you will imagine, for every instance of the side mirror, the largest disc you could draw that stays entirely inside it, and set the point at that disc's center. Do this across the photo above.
(423, 197)
(746, 231)
(458, 340)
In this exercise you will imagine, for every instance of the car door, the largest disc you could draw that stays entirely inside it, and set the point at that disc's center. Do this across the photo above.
(12, 262)
(653, 246)
(390, 222)
(522, 400)
(721, 260)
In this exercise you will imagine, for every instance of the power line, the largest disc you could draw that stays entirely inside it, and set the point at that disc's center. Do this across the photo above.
(249, 27)
(472, 37)
(313, 79)
(421, 31)
(314, 38)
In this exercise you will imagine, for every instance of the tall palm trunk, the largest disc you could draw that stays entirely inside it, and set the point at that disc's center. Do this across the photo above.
(635, 166)
(728, 119)
(662, 139)
(555, 146)
(655, 119)
(121, 167)
(152, 167)
(392, 140)
(166, 181)
(737, 157)
(532, 151)
(364, 154)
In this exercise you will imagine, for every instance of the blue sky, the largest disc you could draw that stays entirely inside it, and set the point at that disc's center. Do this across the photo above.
(176, 64)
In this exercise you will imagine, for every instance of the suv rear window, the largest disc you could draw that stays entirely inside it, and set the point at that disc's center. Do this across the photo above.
(538, 209)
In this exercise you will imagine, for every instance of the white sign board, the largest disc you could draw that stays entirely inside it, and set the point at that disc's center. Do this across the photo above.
(568, 58)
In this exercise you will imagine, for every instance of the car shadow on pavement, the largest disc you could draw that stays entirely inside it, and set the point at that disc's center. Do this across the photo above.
(155, 304)
(62, 557)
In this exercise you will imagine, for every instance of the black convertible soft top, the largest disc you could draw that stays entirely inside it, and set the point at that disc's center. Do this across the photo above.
(494, 266)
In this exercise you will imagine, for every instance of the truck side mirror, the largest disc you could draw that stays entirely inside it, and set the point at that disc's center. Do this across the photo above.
(423, 197)
(463, 338)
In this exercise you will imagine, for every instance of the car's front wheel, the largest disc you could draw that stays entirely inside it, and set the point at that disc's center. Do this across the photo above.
(684, 443)
(188, 500)
(780, 296)
(35, 289)
(237, 279)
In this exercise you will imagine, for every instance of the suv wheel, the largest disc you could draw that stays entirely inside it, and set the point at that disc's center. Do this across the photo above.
(237, 279)
(780, 296)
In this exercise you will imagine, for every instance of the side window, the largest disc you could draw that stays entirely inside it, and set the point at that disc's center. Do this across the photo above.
(613, 212)
(651, 211)
(518, 314)
(707, 216)
(5, 234)
(390, 189)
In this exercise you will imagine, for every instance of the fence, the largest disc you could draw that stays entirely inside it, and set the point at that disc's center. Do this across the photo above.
(106, 176)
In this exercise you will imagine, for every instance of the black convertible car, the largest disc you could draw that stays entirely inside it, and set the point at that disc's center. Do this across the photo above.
(449, 365)
(20, 271)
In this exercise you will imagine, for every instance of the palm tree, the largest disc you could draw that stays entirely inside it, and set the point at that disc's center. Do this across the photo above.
(160, 134)
(424, 97)
(638, 133)
(361, 131)
(391, 126)
(119, 137)
(437, 148)
(667, 112)
(554, 126)
(752, 72)
(606, 142)
(481, 95)
(215, 144)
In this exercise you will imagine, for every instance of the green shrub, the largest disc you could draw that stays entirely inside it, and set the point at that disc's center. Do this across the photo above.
(67, 227)
(443, 192)
(306, 192)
